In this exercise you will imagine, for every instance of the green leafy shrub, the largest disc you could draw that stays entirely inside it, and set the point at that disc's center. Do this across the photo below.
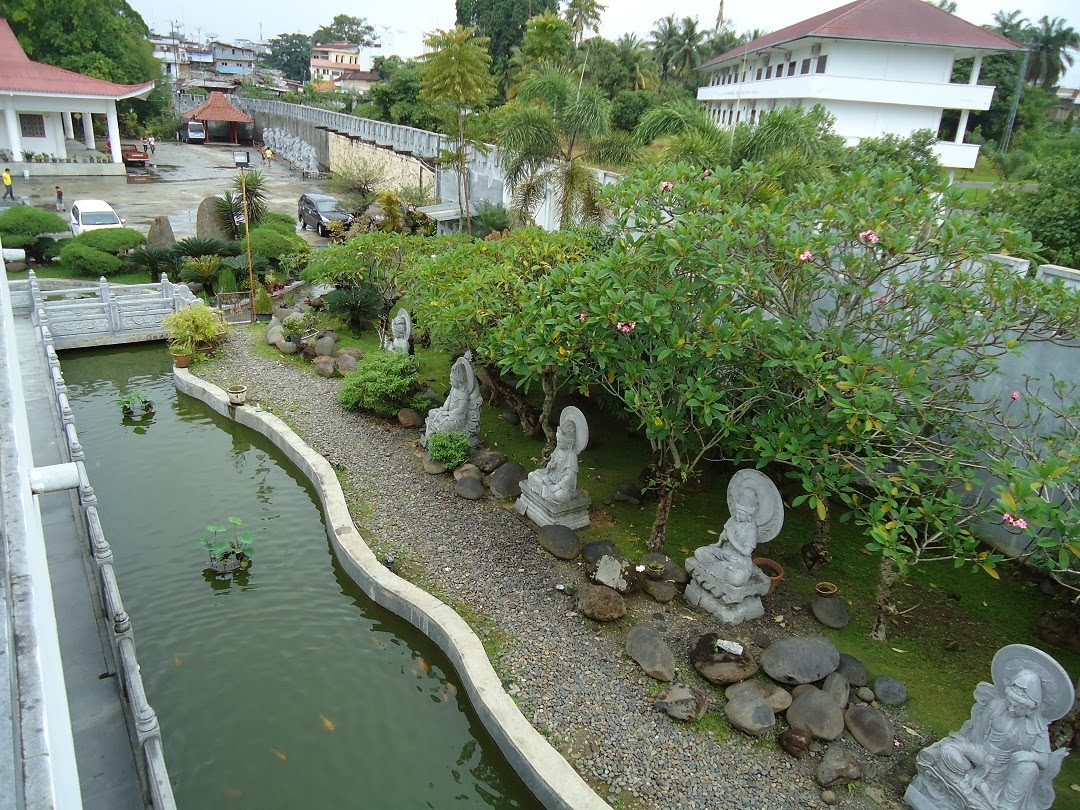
(274, 245)
(450, 447)
(29, 221)
(382, 382)
(193, 247)
(111, 240)
(155, 261)
(226, 281)
(356, 305)
(195, 328)
(80, 260)
(282, 223)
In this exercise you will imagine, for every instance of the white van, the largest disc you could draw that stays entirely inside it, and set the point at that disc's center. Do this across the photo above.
(193, 132)
(92, 215)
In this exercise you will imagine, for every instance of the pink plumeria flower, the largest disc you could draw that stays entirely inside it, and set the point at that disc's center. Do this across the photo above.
(879, 300)
(1015, 395)
(627, 327)
(869, 236)
(667, 185)
(582, 316)
(1020, 523)
(806, 255)
(1007, 517)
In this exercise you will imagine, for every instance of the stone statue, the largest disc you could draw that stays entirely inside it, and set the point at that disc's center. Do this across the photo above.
(550, 495)
(461, 411)
(400, 332)
(723, 577)
(1001, 758)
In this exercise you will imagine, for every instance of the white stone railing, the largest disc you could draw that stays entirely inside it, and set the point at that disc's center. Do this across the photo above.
(108, 314)
(142, 720)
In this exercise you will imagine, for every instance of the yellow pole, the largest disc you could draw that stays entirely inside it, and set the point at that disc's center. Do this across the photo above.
(247, 238)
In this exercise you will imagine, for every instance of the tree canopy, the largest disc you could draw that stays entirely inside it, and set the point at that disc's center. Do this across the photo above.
(291, 54)
(346, 28)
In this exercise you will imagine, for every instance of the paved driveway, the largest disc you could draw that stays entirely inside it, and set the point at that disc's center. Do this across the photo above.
(179, 177)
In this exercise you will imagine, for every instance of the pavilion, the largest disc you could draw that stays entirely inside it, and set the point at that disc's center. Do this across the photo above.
(39, 100)
(218, 108)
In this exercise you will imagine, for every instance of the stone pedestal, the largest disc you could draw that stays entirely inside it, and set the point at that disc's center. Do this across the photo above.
(573, 513)
(730, 604)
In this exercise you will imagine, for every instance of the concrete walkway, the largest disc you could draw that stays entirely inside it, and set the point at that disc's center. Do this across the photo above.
(107, 773)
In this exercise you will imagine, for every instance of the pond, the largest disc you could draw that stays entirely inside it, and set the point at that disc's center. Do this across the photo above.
(283, 686)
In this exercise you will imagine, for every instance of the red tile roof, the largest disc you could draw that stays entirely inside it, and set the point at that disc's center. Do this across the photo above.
(907, 21)
(19, 74)
(217, 108)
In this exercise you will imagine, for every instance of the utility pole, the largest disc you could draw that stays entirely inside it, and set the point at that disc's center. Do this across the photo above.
(1006, 136)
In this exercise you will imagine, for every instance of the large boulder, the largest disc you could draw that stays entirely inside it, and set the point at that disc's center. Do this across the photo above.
(852, 668)
(287, 347)
(804, 659)
(591, 552)
(345, 363)
(160, 233)
(206, 222)
(469, 488)
(326, 345)
(720, 666)
(817, 713)
(750, 714)
(431, 466)
(673, 572)
(777, 697)
(839, 767)
(889, 690)
(559, 541)
(274, 332)
(601, 603)
(837, 687)
(406, 417)
(465, 470)
(325, 367)
(617, 572)
(354, 352)
(505, 482)
(871, 728)
(683, 702)
(648, 648)
(486, 459)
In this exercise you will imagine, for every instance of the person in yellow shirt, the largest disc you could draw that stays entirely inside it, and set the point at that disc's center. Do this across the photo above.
(8, 192)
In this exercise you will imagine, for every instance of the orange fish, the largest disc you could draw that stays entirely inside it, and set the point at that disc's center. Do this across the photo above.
(445, 697)
(327, 722)
(424, 665)
(233, 792)
(178, 661)
(278, 754)
(451, 688)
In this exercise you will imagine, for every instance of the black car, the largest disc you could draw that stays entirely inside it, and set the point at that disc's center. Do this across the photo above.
(319, 210)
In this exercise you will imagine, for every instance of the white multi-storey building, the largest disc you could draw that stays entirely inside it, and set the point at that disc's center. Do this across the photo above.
(879, 66)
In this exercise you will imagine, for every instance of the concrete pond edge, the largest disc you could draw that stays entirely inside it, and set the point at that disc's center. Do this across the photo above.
(542, 768)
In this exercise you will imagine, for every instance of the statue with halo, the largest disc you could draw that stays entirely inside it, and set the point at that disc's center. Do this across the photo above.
(550, 495)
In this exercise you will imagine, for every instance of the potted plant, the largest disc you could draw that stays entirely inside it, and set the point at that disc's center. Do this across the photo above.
(237, 394)
(195, 329)
(228, 554)
(182, 353)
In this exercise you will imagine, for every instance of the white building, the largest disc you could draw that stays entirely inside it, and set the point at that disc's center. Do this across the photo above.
(879, 66)
(333, 61)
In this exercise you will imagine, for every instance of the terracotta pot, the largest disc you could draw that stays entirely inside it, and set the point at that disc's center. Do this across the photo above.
(181, 360)
(826, 590)
(773, 570)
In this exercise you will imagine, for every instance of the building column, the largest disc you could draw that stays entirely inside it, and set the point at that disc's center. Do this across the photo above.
(88, 130)
(69, 128)
(975, 70)
(57, 126)
(14, 133)
(961, 128)
(114, 132)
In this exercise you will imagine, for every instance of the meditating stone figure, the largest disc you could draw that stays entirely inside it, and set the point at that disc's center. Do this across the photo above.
(1001, 758)
(550, 494)
(723, 577)
(461, 411)
(400, 332)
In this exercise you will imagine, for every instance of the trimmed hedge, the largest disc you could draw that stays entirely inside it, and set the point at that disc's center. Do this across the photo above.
(111, 240)
(80, 260)
(382, 382)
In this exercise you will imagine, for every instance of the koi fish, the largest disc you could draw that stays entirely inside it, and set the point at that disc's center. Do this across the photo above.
(445, 697)
(424, 665)
(278, 754)
(327, 722)
(233, 792)
(450, 688)
(177, 661)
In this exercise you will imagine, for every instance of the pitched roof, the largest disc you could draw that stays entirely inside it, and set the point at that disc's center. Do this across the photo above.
(20, 74)
(905, 21)
(217, 108)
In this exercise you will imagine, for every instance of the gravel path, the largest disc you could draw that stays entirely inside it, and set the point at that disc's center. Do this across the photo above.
(568, 674)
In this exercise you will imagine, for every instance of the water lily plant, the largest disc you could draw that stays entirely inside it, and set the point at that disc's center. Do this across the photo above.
(227, 553)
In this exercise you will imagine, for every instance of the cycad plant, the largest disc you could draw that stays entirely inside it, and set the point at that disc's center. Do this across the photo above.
(202, 270)
(155, 261)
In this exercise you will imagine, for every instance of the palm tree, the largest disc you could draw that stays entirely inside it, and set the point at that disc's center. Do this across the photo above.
(1012, 25)
(583, 15)
(638, 60)
(686, 56)
(543, 135)
(722, 41)
(1050, 42)
(458, 76)
(665, 39)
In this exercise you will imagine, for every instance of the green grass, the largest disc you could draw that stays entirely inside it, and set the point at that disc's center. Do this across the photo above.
(974, 196)
(984, 171)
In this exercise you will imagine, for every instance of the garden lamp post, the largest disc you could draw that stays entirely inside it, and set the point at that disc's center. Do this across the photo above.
(242, 159)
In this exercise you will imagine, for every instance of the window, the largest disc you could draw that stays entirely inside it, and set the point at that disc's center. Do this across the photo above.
(791, 69)
(821, 60)
(805, 67)
(32, 126)
(768, 72)
(758, 77)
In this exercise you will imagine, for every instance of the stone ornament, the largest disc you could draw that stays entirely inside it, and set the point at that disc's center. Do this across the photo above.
(461, 411)
(400, 332)
(550, 495)
(723, 578)
(1001, 758)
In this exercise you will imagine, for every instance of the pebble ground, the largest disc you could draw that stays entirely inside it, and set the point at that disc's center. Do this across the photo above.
(569, 675)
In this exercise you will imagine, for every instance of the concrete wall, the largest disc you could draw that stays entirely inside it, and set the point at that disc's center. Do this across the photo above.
(397, 171)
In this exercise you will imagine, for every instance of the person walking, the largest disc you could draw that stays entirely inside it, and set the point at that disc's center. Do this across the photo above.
(60, 199)
(269, 156)
(8, 192)
(153, 146)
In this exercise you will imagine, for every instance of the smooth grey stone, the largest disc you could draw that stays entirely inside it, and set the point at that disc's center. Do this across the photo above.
(830, 797)
(837, 687)
(865, 694)
(345, 363)
(484, 458)
(287, 347)
(628, 494)
(433, 467)
(465, 470)
(683, 702)
(750, 714)
(511, 416)
(591, 552)
(889, 690)
(839, 767)
(648, 648)
(721, 667)
(274, 333)
(469, 488)
(325, 367)
(325, 346)
(830, 611)
(672, 570)
(806, 659)
(661, 590)
(559, 541)
(817, 713)
(870, 728)
(506, 481)
(409, 418)
(853, 670)
(777, 698)
(601, 603)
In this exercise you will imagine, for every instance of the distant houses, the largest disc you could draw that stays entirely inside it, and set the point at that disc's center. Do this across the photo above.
(343, 66)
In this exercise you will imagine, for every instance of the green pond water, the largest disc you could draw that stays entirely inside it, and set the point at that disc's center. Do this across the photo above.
(287, 687)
